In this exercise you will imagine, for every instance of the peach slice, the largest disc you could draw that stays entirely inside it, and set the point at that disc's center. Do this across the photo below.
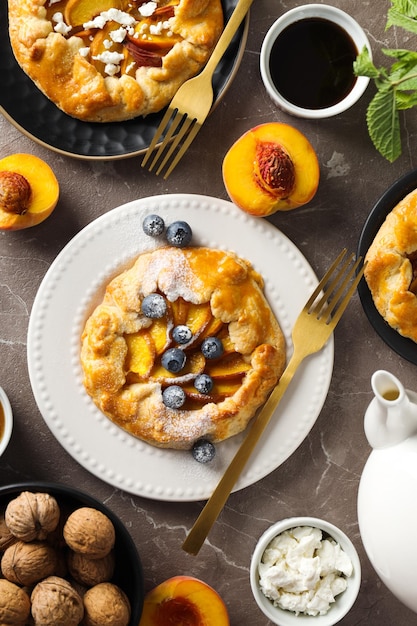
(140, 353)
(78, 12)
(160, 333)
(231, 366)
(184, 600)
(199, 317)
(179, 309)
(194, 365)
(29, 191)
(272, 167)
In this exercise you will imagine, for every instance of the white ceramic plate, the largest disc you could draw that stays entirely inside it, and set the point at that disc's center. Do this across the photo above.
(73, 286)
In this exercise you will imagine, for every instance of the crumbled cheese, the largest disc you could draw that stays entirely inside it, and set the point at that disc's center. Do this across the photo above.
(119, 35)
(112, 15)
(107, 44)
(147, 9)
(60, 26)
(111, 69)
(302, 572)
(109, 57)
(84, 51)
(51, 2)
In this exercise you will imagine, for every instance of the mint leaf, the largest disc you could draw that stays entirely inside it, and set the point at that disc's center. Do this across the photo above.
(399, 19)
(363, 65)
(384, 125)
(405, 100)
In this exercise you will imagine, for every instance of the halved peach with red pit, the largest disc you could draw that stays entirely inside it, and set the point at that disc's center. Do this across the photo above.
(184, 600)
(272, 167)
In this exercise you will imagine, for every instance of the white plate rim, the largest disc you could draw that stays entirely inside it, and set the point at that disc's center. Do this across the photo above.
(73, 285)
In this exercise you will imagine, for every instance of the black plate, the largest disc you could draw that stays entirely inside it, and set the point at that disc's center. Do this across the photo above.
(34, 115)
(403, 346)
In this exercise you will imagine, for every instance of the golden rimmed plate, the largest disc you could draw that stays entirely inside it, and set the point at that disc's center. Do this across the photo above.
(25, 106)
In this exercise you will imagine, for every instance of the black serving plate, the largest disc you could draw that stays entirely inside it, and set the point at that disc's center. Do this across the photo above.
(25, 106)
(403, 346)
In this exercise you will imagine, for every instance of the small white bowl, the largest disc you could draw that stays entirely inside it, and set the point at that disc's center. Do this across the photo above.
(324, 12)
(344, 601)
(8, 421)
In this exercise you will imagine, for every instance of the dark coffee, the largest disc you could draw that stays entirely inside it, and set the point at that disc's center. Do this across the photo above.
(311, 63)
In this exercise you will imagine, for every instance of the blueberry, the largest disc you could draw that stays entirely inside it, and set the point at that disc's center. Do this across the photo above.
(154, 306)
(182, 334)
(212, 347)
(173, 360)
(173, 397)
(153, 225)
(203, 451)
(179, 234)
(203, 383)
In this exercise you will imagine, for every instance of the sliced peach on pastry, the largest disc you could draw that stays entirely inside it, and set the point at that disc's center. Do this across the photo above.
(231, 366)
(179, 308)
(214, 328)
(199, 317)
(78, 12)
(220, 391)
(140, 353)
(102, 44)
(160, 333)
(184, 600)
(29, 191)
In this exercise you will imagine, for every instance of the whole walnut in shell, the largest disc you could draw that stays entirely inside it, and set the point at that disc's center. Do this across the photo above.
(106, 604)
(89, 532)
(27, 563)
(6, 537)
(88, 571)
(14, 604)
(31, 516)
(56, 603)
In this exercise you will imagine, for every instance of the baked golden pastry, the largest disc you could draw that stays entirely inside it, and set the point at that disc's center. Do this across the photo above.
(211, 292)
(391, 271)
(112, 60)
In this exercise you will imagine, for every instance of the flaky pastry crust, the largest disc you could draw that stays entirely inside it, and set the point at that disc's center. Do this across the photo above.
(233, 293)
(391, 271)
(71, 69)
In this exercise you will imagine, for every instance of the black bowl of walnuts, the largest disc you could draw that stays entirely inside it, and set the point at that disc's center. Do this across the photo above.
(65, 559)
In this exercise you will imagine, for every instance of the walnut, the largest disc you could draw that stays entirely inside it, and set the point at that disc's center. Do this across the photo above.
(32, 516)
(14, 604)
(6, 537)
(27, 563)
(88, 571)
(106, 604)
(55, 601)
(89, 532)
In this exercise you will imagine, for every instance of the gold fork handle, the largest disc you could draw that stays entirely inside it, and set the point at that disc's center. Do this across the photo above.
(227, 35)
(217, 500)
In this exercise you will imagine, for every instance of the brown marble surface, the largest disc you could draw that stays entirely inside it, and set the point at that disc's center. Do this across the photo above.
(321, 478)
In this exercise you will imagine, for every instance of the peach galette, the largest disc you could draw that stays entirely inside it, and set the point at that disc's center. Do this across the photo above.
(184, 347)
(112, 60)
(391, 270)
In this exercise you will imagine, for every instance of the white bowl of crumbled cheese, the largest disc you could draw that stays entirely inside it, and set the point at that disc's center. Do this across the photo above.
(305, 569)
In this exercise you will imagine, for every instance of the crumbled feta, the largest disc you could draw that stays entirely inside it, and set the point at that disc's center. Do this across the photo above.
(148, 8)
(109, 57)
(119, 35)
(111, 69)
(60, 26)
(84, 51)
(302, 572)
(112, 15)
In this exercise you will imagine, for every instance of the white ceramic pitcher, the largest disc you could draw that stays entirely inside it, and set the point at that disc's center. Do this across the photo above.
(387, 497)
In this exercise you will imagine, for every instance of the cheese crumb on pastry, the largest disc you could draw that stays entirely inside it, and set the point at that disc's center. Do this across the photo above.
(391, 271)
(127, 60)
(213, 292)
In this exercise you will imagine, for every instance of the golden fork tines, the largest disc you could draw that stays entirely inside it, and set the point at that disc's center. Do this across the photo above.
(311, 331)
(192, 103)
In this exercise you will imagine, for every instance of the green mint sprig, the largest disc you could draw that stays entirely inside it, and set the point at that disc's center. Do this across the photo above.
(396, 85)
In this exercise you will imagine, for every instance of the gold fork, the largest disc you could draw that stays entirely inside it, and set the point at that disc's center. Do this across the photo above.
(311, 331)
(193, 101)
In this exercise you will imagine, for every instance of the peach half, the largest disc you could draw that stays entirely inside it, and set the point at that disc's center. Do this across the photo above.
(29, 191)
(184, 600)
(272, 167)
